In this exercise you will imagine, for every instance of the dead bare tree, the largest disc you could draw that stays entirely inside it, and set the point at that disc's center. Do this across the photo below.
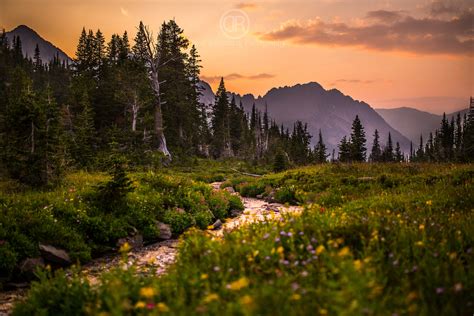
(153, 63)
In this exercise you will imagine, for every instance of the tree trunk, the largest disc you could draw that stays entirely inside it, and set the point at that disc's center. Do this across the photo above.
(135, 108)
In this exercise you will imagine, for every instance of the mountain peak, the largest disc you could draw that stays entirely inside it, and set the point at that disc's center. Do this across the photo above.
(30, 38)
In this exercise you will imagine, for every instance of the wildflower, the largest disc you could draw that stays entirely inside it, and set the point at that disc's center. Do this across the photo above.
(162, 307)
(458, 287)
(147, 292)
(439, 290)
(217, 269)
(204, 276)
(323, 311)
(344, 252)
(412, 296)
(419, 243)
(295, 297)
(421, 227)
(320, 249)
(266, 236)
(140, 304)
(304, 274)
(429, 202)
(452, 255)
(150, 305)
(357, 264)
(239, 284)
(280, 250)
(210, 298)
(125, 247)
(246, 300)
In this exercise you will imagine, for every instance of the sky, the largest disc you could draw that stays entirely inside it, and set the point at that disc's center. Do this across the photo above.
(388, 53)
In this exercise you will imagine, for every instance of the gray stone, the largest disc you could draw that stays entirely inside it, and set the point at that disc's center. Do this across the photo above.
(217, 225)
(135, 242)
(230, 189)
(29, 266)
(235, 213)
(165, 231)
(54, 255)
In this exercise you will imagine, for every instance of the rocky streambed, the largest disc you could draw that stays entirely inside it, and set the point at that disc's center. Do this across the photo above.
(159, 256)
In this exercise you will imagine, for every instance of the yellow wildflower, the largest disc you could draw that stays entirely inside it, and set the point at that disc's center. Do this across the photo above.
(162, 307)
(280, 250)
(140, 304)
(421, 227)
(210, 227)
(412, 296)
(320, 249)
(429, 202)
(204, 276)
(357, 264)
(419, 243)
(246, 300)
(295, 297)
(147, 292)
(344, 252)
(323, 311)
(452, 255)
(210, 298)
(125, 247)
(239, 284)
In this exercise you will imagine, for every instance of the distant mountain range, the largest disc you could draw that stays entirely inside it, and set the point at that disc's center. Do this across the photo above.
(328, 110)
(412, 122)
(29, 39)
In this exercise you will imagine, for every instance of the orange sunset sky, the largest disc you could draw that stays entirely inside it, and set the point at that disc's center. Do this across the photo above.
(389, 53)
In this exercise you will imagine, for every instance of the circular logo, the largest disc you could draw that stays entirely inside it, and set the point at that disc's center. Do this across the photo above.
(235, 23)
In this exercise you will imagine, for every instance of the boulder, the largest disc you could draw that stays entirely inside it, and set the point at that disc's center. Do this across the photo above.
(235, 213)
(230, 189)
(54, 255)
(29, 266)
(217, 225)
(135, 242)
(165, 231)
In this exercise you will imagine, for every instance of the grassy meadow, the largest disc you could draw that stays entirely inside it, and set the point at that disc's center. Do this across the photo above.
(373, 239)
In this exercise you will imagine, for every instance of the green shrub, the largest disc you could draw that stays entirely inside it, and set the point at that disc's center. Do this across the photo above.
(178, 221)
(235, 203)
(8, 260)
(203, 219)
(219, 204)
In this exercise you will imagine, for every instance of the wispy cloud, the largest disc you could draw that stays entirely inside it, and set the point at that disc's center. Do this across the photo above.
(358, 81)
(237, 76)
(449, 7)
(123, 11)
(385, 31)
(246, 6)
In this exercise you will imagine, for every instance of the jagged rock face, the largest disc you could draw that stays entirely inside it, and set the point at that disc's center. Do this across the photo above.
(54, 255)
(29, 39)
(328, 110)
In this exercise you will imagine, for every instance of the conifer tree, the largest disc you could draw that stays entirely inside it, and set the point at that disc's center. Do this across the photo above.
(388, 155)
(376, 153)
(221, 146)
(320, 150)
(358, 149)
(344, 150)
(398, 153)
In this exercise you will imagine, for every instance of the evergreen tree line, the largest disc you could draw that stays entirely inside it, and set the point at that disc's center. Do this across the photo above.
(452, 142)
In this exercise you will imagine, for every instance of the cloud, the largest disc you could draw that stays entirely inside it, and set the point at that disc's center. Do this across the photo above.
(385, 31)
(246, 6)
(358, 81)
(448, 7)
(123, 11)
(237, 76)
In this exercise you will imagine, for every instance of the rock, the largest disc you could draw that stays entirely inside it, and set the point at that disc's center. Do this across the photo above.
(165, 231)
(29, 265)
(54, 255)
(135, 242)
(260, 196)
(272, 208)
(179, 210)
(217, 225)
(270, 198)
(235, 213)
(230, 189)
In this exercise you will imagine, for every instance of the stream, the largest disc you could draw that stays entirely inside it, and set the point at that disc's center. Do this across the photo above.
(159, 256)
